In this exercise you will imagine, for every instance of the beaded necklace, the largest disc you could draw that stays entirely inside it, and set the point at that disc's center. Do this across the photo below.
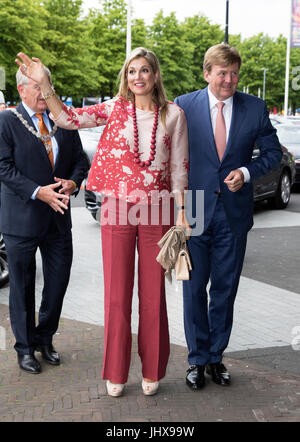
(136, 139)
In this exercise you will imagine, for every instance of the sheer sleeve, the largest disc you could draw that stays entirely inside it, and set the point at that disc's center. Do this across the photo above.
(79, 118)
(179, 154)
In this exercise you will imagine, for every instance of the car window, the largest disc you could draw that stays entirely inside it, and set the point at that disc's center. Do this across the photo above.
(288, 135)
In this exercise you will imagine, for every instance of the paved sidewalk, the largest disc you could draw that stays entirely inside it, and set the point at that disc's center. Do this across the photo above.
(74, 392)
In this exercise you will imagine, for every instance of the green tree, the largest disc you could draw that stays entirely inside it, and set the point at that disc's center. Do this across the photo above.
(66, 48)
(108, 34)
(262, 51)
(199, 32)
(139, 34)
(174, 52)
(85, 54)
(21, 29)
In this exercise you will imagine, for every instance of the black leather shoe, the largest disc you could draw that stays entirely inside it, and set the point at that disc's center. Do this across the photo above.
(218, 373)
(195, 378)
(29, 363)
(48, 353)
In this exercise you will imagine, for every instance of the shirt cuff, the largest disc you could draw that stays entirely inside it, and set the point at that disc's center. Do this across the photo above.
(35, 192)
(246, 174)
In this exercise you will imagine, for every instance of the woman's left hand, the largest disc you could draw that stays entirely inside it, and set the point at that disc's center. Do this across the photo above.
(182, 221)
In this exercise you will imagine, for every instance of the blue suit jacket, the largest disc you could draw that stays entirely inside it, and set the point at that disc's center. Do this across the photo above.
(24, 165)
(250, 125)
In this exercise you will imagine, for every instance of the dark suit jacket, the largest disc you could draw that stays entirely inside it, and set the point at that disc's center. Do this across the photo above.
(24, 165)
(250, 125)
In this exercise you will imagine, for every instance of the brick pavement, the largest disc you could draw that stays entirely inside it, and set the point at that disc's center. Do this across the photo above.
(74, 391)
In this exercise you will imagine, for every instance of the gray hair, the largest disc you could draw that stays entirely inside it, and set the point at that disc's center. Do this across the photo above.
(22, 79)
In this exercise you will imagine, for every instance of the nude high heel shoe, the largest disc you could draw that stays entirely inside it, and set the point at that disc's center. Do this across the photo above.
(150, 388)
(114, 390)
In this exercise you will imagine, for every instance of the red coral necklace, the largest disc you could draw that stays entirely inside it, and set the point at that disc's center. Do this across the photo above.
(136, 139)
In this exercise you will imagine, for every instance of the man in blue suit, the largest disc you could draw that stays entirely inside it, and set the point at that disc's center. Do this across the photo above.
(224, 125)
(40, 167)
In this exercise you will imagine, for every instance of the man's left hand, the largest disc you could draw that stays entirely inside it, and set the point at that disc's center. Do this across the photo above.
(67, 186)
(234, 180)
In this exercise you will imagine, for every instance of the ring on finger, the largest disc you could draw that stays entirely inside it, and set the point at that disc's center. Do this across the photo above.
(24, 67)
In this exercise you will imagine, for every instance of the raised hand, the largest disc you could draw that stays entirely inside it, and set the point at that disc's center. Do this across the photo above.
(33, 69)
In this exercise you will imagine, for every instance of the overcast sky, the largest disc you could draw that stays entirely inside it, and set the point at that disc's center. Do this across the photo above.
(246, 17)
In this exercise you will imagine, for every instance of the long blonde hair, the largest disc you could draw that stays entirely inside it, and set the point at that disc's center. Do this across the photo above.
(159, 95)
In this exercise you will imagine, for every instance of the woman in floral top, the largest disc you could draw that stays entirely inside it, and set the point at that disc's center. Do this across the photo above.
(142, 158)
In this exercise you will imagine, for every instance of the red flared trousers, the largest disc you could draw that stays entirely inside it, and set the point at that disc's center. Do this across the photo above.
(119, 241)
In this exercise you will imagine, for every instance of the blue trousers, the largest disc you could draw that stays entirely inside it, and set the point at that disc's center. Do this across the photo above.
(217, 256)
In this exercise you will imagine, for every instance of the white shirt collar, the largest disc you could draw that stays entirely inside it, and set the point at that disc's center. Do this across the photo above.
(30, 112)
(213, 100)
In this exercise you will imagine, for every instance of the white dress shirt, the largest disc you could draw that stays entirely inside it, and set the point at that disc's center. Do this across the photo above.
(227, 112)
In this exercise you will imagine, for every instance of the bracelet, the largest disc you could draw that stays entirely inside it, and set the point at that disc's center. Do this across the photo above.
(49, 94)
(180, 207)
(74, 184)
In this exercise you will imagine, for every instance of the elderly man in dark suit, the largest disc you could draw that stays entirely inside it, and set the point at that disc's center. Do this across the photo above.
(40, 167)
(224, 125)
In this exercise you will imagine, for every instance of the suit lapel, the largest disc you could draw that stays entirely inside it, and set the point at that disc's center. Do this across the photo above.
(41, 146)
(21, 109)
(207, 118)
(238, 116)
(204, 123)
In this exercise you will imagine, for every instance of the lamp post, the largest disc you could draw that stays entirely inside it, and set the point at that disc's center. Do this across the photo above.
(226, 24)
(264, 83)
(287, 64)
(129, 17)
(128, 32)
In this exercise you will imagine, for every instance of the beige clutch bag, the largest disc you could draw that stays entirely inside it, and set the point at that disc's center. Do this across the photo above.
(183, 265)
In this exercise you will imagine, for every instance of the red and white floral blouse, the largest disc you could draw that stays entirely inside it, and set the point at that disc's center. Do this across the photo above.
(114, 171)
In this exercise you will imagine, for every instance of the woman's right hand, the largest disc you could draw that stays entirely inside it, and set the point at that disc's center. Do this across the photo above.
(33, 69)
